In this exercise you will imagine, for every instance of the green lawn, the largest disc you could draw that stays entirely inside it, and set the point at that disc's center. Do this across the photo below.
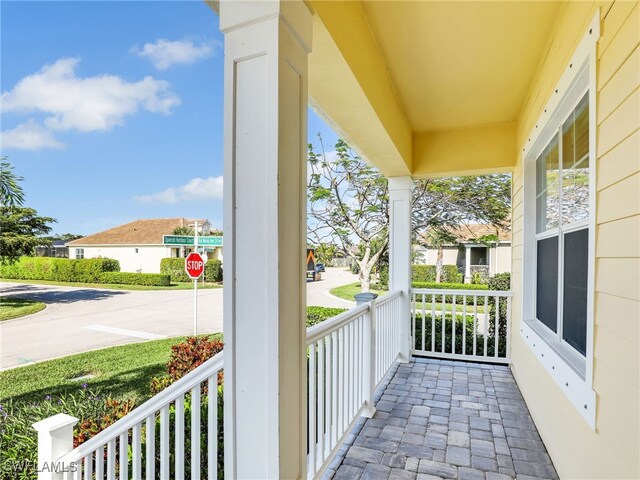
(12, 307)
(118, 371)
(348, 291)
(113, 286)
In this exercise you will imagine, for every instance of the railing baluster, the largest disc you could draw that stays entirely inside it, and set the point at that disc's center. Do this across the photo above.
(335, 409)
(433, 322)
(320, 419)
(453, 326)
(164, 443)
(413, 321)
(88, 467)
(486, 324)
(123, 457)
(212, 427)
(464, 325)
(443, 318)
(100, 463)
(195, 433)
(311, 409)
(111, 459)
(150, 457)
(496, 329)
(136, 453)
(508, 329)
(179, 438)
(328, 396)
(475, 322)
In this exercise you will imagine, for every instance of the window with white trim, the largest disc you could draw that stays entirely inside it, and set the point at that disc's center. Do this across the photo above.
(559, 207)
(562, 230)
(79, 252)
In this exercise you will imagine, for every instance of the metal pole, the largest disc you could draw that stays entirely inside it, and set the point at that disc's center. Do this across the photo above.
(195, 287)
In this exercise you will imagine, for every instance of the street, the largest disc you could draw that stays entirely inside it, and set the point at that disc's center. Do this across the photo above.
(80, 319)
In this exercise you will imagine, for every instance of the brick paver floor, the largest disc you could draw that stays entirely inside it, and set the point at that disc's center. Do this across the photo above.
(440, 419)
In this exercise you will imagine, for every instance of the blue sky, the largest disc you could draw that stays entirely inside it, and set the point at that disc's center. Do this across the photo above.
(112, 111)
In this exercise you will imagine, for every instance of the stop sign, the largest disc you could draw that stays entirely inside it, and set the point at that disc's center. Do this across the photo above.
(194, 265)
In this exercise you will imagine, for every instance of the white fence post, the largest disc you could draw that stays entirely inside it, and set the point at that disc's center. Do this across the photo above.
(55, 439)
(370, 354)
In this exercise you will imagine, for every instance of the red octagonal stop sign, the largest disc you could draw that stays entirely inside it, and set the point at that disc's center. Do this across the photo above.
(194, 265)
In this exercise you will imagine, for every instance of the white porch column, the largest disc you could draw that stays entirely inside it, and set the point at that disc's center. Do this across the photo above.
(467, 264)
(265, 130)
(400, 254)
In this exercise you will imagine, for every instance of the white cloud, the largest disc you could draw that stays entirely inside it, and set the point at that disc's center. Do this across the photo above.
(166, 53)
(86, 104)
(195, 189)
(29, 136)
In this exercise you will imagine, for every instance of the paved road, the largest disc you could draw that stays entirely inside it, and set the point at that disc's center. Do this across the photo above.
(82, 319)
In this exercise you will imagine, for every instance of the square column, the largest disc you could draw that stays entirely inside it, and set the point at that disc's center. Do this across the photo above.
(400, 255)
(265, 130)
(467, 264)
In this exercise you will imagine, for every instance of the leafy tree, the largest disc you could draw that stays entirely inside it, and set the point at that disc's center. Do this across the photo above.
(10, 190)
(188, 231)
(325, 252)
(348, 205)
(21, 228)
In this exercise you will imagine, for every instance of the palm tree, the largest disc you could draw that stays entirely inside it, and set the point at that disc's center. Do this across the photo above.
(188, 231)
(11, 193)
(438, 238)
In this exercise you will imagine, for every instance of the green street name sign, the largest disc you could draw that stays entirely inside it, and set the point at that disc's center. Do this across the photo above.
(188, 240)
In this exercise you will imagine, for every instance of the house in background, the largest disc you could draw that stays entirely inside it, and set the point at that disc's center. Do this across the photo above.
(475, 251)
(139, 246)
(57, 249)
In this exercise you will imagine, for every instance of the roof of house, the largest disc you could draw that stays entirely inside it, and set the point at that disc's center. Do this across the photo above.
(139, 232)
(469, 233)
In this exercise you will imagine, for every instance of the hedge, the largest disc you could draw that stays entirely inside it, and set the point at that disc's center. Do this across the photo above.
(126, 278)
(87, 270)
(467, 324)
(174, 267)
(319, 314)
(449, 286)
(427, 273)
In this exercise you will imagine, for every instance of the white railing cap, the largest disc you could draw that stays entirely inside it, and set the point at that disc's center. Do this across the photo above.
(332, 324)
(460, 293)
(55, 422)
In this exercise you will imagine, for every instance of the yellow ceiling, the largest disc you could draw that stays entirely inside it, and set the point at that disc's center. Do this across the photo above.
(460, 64)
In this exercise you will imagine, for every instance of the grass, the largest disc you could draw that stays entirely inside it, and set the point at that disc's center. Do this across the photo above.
(348, 291)
(12, 307)
(114, 286)
(125, 370)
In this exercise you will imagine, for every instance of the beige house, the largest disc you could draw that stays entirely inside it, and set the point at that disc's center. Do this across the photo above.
(139, 246)
(479, 249)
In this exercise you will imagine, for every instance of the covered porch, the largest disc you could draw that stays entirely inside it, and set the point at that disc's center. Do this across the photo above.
(463, 103)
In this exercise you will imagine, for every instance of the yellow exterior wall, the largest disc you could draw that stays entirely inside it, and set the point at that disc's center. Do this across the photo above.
(467, 151)
(613, 451)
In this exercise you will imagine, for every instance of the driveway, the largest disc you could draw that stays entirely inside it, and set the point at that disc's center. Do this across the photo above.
(81, 319)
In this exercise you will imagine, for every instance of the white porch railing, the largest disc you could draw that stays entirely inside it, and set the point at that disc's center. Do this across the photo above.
(160, 423)
(349, 355)
(175, 434)
(461, 324)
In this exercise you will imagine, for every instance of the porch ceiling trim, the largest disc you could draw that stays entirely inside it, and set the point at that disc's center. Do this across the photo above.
(351, 89)
(469, 151)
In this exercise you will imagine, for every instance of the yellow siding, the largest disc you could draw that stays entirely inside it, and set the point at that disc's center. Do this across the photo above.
(613, 451)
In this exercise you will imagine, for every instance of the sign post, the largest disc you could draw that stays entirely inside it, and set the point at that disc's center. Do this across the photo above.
(194, 266)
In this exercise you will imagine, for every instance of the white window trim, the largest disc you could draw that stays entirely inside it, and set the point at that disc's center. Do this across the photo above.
(571, 371)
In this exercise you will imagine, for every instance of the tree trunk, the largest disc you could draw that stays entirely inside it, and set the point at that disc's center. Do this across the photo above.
(365, 277)
(439, 265)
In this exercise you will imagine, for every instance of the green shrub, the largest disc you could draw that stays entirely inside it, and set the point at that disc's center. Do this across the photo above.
(213, 271)
(18, 439)
(316, 315)
(500, 282)
(462, 323)
(174, 267)
(423, 273)
(87, 270)
(450, 274)
(126, 278)
(384, 276)
(448, 286)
